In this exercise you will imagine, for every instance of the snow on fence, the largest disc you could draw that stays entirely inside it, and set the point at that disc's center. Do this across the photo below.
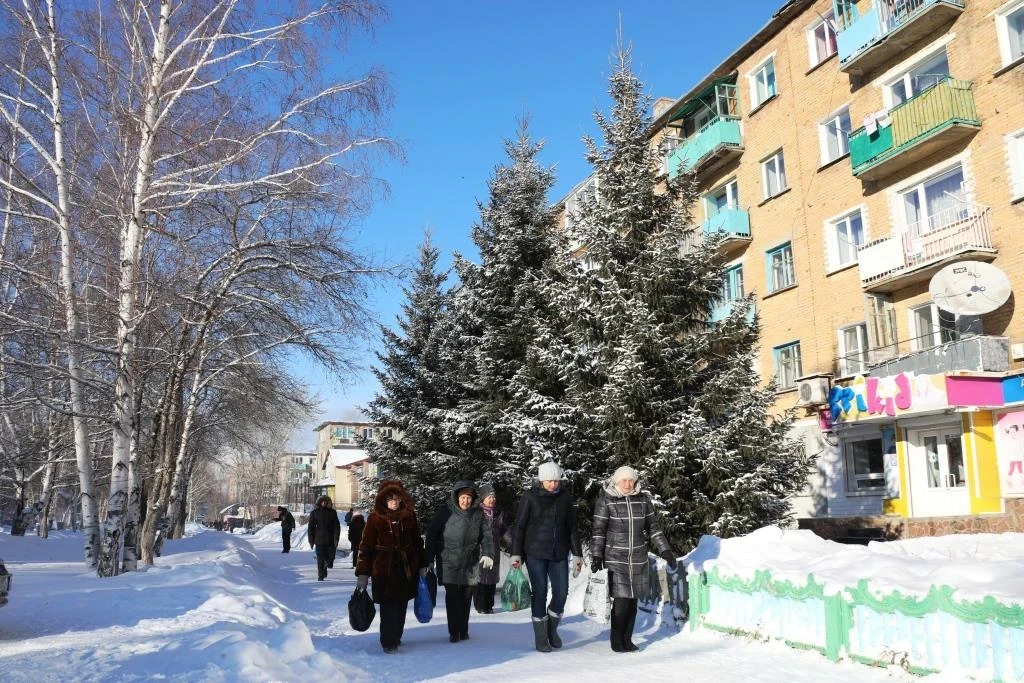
(922, 634)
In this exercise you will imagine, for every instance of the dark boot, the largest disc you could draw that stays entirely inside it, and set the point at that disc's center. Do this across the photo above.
(553, 638)
(617, 625)
(540, 634)
(627, 632)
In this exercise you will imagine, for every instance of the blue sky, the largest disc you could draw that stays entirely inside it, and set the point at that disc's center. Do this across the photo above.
(464, 72)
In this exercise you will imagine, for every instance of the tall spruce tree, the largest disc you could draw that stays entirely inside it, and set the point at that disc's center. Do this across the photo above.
(502, 299)
(419, 375)
(631, 371)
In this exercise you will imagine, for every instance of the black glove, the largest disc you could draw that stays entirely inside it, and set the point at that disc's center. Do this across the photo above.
(669, 557)
(596, 564)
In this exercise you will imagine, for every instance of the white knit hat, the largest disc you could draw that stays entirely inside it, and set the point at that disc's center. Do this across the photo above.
(549, 471)
(625, 472)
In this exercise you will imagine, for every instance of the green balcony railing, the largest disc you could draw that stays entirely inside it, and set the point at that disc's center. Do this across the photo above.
(948, 103)
(735, 223)
(723, 131)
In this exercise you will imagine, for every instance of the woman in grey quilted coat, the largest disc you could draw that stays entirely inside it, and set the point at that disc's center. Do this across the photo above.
(624, 522)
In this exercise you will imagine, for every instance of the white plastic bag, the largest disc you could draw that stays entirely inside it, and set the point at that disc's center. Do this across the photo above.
(596, 604)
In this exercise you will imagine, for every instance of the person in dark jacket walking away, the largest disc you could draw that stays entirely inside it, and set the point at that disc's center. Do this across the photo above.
(391, 551)
(545, 532)
(501, 534)
(348, 515)
(324, 532)
(355, 533)
(623, 515)
(287, 527)
(459, 540)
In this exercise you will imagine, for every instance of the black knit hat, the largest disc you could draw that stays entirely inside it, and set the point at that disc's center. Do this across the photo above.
(485, 490)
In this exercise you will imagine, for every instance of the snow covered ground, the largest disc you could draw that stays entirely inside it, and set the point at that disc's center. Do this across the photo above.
(222, 607)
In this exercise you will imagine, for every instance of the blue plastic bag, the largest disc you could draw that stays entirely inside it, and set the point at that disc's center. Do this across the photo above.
(423, 606)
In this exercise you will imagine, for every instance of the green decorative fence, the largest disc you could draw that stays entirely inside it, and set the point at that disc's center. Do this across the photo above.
(923, 634)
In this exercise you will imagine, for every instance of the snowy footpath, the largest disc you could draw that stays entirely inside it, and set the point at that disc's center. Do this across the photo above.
(218, 607)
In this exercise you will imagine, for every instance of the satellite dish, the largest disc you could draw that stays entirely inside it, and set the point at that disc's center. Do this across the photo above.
(969, 288)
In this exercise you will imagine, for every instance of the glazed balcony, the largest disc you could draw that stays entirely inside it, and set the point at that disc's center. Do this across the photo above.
(732, 225)
(717, 142)
(882, 34)
(901, 259)
(935, 118)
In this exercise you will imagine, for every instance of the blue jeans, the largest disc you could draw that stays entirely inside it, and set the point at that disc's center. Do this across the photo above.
(541, 571)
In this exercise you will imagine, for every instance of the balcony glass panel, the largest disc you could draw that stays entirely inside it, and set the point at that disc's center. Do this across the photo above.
(861, 32)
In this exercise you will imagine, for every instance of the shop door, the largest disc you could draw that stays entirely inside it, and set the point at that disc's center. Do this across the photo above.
(938, 474)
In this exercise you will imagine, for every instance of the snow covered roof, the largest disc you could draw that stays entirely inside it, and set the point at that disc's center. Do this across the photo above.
(342, 457)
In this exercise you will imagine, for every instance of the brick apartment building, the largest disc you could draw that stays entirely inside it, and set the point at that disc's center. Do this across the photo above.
(850, 151)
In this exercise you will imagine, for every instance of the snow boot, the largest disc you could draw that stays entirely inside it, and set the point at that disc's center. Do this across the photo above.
(617, 627)
(627, 630)
(553, 638)
(540, 634)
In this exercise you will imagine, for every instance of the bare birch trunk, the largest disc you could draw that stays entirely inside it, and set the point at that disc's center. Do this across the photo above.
(131, 245)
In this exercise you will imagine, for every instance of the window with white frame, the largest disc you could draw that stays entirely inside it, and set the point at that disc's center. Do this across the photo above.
(787, 364)
(1015, 149)
(773, 174)
(722, 198)
(367, 432)
(936, 203)
(821, 38)
(1010, 27)
(845, 235)
(762, 83)
(931, 326)
(865, 464)
(853, 349)
(779, 262)
(921, 77)
(834, 134)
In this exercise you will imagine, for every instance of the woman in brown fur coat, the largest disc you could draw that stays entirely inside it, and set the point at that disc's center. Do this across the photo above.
(391, 552)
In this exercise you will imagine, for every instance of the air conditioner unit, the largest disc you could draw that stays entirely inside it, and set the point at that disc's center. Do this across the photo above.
(814, 390)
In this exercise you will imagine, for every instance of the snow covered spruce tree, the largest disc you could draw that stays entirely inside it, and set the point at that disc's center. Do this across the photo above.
(644, 378)
(502, 302)
(420, 383)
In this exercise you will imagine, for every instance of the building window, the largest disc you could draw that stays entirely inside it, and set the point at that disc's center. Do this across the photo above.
(787, 364)
(845, 235)
(732, 284)
(1015, 149)
(931, 326)
(781, 273)
(821, 39)
(865, 464)
(1010, 26)
(725, 197)
(853, 349)
(773, 175)
(937, 203)
(367, 432)
(833, 136)
(762, 83)
(578, 200)
(920, 78)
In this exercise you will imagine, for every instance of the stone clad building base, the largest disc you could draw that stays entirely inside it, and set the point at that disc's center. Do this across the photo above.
(892, 528)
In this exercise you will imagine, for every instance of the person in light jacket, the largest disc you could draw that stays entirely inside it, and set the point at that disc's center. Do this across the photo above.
(545, 532)
(391, 552)
(624, 522)
(501, 533)
(459, 540)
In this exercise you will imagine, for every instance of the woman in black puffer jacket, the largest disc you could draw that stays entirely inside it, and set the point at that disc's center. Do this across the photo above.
(545, 532)
(623, 517)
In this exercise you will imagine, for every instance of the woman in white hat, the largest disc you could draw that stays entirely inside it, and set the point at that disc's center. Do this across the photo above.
(623, 516)
(545, 532)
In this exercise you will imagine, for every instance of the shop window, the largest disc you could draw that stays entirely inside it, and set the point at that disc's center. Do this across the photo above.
(864, 464)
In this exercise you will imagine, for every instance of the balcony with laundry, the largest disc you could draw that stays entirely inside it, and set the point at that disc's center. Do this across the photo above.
(936, 117)
(871, 38)
(706, 132)
(940, 227)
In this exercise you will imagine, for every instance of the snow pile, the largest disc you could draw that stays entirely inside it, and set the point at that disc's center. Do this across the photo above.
(977, 565)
